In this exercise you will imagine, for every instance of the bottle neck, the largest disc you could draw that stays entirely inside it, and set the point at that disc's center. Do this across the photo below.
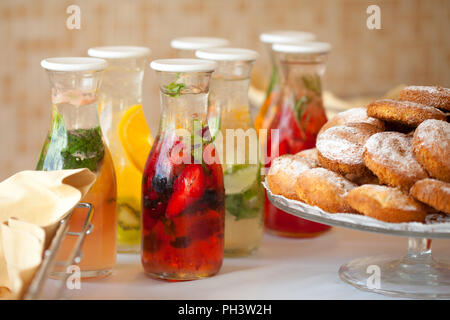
(74, 98)
(184, 99)
(183, 112)
(77, 116)
(122, 82)
(229, 94)
(301, 73)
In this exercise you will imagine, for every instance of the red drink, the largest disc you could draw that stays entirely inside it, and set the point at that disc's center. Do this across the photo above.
(294, 136)
(183, 207)
(300, 115)
(183, 216)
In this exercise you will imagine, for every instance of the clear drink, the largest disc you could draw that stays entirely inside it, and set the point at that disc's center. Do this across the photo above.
(229, 113)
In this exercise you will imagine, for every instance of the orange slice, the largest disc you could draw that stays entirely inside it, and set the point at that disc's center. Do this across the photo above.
(135, 136)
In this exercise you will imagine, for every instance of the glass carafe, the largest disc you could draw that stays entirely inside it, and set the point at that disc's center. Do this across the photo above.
(75, 141)
(185, 47)
(269, 107)
(299, 117)
(183, 206)
(120, 99)
(229, 114)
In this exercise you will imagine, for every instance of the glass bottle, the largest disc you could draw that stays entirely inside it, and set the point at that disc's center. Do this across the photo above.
(299, 117)
(182, 187)
(269, 107)
(229, 114)
(75, 141)
(185, 47)
(120, 94)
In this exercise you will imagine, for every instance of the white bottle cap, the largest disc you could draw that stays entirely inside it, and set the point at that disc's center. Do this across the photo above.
(74, 64)
(196, 43)
(183, 65)
(119, 52)
(286, 36)
(227, 54)
(304, 47)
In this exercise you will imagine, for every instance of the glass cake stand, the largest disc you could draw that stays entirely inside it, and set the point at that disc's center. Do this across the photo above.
(415, 275)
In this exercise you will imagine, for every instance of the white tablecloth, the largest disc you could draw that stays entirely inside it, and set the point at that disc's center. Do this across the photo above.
(281, 269)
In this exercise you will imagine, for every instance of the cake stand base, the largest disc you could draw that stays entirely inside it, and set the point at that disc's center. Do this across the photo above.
(416, 275)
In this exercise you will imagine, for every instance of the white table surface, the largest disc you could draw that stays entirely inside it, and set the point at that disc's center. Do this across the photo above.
(281, 269)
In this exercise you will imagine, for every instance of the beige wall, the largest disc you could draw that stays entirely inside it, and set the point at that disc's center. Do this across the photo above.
(412, 47)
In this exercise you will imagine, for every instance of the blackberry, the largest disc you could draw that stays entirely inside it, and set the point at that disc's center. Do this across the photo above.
(161, 184)
(181, 242)
(212, 198)
(149, 203)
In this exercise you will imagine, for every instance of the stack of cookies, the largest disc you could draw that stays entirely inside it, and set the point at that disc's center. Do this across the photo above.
(389, 160)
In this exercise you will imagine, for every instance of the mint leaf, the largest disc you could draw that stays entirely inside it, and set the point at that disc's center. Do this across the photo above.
(71, 149)
(173, 89)
(274, 81)
(313, 83)
(300, 107)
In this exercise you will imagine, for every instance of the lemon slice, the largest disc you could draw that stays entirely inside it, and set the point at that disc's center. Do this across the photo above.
(135, 136)
(239, 178)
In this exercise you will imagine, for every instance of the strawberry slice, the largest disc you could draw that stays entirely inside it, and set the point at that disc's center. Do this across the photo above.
(187, 188)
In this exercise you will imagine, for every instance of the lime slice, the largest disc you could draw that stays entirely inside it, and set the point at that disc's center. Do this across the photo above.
(239, 178)
(214, 126)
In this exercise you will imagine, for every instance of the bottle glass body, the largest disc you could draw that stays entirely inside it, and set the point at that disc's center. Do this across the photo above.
(121, 90)
(298, 118)
(75, 141)
(183, 205)
(229, 114)
(269, 107)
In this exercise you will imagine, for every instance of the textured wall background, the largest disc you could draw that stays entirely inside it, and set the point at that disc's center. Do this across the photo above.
(412, 47)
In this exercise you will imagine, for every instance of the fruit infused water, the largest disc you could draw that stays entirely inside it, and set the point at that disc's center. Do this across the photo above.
(75, 141)
(124, 126)
(183, 203)
(269, 107)
(235, 137)
(299, 117)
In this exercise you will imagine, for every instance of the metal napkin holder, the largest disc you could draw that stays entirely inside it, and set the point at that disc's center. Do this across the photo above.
(35, 290)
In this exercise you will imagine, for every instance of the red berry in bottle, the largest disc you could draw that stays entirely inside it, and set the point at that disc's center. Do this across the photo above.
(187, 188)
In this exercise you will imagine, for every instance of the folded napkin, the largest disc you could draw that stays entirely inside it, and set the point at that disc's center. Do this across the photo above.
(31, 205)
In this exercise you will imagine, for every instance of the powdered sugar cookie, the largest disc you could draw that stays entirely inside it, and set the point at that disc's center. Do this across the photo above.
(340, 148)
(353, 115)
(433, 96)
(283, 174)
(386, 204)
(325, 189)
(309, 154)
(408, 113)
(431, 146)
(434, 193)
(390, 157)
